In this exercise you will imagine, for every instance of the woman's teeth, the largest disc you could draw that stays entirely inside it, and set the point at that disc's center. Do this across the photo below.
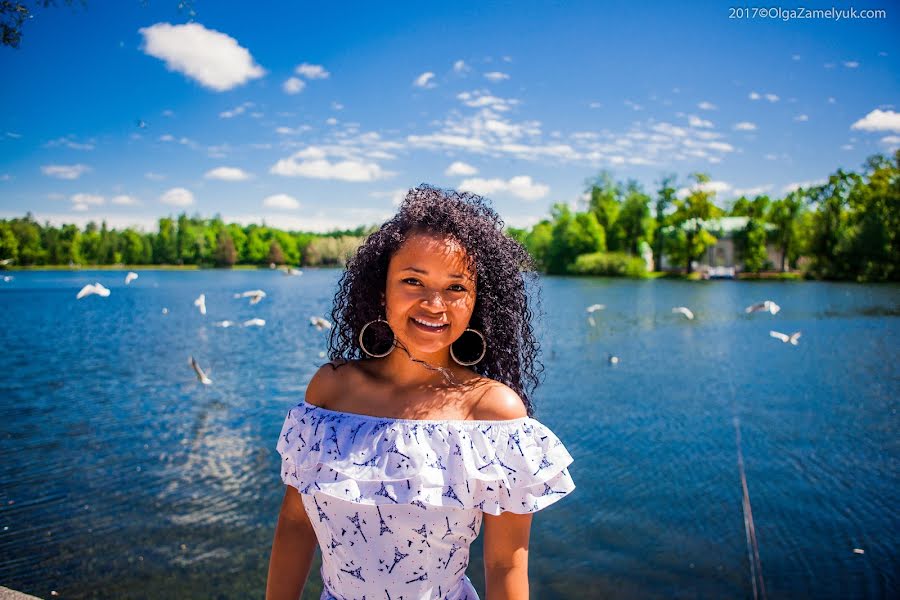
(431, 325)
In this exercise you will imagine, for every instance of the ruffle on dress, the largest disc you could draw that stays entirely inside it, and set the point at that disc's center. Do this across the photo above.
(516, 466)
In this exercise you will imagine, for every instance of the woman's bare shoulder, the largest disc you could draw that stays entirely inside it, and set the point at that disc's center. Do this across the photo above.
(328, 382)
(497, 402)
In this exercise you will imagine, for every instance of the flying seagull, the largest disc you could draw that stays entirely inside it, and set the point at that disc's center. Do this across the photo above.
(254, 322)
(93, 288)
(785, 337)
(595, 307)
(685, 311)
(200, 374)
(200, 302)
(765, 305)
(319, 323)
(130, 277)
(254, 295)
(6, 261)
(225, 323)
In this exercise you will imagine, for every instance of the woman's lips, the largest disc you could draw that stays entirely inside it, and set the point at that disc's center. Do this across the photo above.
(428, 329)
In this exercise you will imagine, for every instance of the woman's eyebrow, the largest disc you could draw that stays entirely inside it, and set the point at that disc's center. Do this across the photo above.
(424, 272)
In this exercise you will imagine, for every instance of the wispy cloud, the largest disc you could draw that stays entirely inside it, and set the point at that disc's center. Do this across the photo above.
(802, 184)
(125, 200)
(281, 202)
(461, 67)
(69, 142)
(177, 197)
(425, 80)
(227, 174)
(293, 85)
(496, 76)
(313, 162)
(312, 71)
(706, 106)
(520, 186)
(237, 110)
(65, 171)
(745, 126)
(695, 121)
(459, 168)
(213, 59)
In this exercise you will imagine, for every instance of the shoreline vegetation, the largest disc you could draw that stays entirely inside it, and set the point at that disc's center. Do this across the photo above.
(844, 227)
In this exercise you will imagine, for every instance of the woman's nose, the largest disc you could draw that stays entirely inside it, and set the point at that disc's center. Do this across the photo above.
(435, 299)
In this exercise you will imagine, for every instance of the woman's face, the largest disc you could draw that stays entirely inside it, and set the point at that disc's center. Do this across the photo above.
(429, 293)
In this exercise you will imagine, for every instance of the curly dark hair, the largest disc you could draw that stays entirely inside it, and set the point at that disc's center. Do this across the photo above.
(506, 286)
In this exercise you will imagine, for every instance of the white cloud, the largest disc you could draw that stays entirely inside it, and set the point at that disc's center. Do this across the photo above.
(633, 105)
(313, 162)
(87, 199)
(479, 99)
(154, 176)
(227, 174)
(772, 98)
(891, 141)
(713, 187)
(293, 85)
(281, 202)
(879, 120)
(65, 171)
(213, 59)
(177, 197)
(331, 121)
(68, 142)
(706, 106)
(312, 71)
(496, 76)
(13, 135)
(424, 80)
(520, 186)
(745, 126)
(337, 106)
(850, 64)
(237, 110)
(695, 121)
(460, 66)
(801, 118)
(595, 105)
(754, 96)
(125, 200)
(460, 168)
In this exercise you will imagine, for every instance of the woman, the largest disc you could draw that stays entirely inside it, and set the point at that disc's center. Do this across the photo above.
(419, 431)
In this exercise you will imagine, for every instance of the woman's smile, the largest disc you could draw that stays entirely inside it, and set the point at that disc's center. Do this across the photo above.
(429, 325)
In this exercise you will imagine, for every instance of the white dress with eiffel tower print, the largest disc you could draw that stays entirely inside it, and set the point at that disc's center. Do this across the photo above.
(395, 503)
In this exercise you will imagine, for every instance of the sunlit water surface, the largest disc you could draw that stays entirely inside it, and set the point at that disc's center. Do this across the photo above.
(123, 477)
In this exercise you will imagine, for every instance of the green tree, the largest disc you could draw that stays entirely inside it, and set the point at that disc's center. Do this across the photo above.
(132, 247)
(665, 199)
(9, 245)
(276, 255)
(572, 235)
(692, 238)
(634, 222)
(831, 235)
(537, 242)
(605, 202)
(165, 251)
(784, 214)
(754, 247)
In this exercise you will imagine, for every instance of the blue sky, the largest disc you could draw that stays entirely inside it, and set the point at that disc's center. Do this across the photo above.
(315, 116)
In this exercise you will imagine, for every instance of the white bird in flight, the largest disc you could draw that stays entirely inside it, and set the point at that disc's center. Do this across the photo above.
(93, 288)
(792, 339)
(765, 305)
(255, 322)
(319, 323)
(254, 295)
(130, 277)
(595, 307)
(6, 261)
(684, 310)
(200, 374)
(225, 323)
(200, 303)
(292, 271)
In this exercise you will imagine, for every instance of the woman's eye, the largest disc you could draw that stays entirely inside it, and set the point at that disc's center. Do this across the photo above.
(411, 281)
(457, 288)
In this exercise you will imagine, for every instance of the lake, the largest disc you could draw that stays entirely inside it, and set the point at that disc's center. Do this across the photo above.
(123, 476)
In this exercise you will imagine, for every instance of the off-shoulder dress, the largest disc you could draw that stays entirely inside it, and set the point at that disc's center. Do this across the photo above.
(395, 503)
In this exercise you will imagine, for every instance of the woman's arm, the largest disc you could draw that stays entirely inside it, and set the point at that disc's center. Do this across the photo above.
(292, 549)
(506, 555)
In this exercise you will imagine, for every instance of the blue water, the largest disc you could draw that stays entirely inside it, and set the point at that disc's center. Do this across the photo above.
(122, 476)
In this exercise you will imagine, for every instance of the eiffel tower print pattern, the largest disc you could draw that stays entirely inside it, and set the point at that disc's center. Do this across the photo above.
(426, 484)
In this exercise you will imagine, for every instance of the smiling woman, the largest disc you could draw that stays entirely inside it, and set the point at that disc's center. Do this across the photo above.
(422, 422)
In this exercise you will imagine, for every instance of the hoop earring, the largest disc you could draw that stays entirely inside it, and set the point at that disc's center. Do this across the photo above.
(480, 356)
(363, 346)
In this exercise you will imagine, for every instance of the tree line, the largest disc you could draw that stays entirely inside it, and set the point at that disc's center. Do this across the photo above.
(178, 241)
(844, 228)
